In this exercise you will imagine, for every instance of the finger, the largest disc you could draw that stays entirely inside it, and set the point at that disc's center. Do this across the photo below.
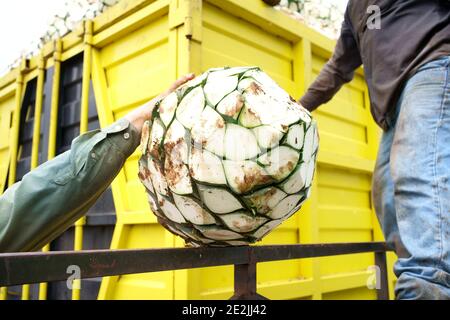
(180, 82)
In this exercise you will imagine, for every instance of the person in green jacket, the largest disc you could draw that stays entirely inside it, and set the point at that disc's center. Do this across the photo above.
(49, 199)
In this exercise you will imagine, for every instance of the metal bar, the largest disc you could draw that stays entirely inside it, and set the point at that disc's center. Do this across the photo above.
(245, 281)
(20, 268)
(287, 252)
(383, 288)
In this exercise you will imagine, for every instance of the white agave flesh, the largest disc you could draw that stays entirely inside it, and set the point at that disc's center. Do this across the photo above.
(218, 86)
(294, 210)
(215, 143)
(206, 167)
(267, 107)
(145, 136)
(231, 105)
(269, 84)
(218, 234)
(243, 176)
(175, 231)
(305, 115)
(240, 143)
(237, 243)
(153, 204)
(192, 233)
(218, 200)
(175, 141)
(158, 180)
(191, 107)
(279, 162)
(226, 71)
(192, 211)
(266, 199)
(248, 118)
(316, 138)
(176, 158)
(295, 136)
(241, 222)
(291, 113)
(267, 136)
(284, 207)
(202, 240)
(170, 210)
(191, 84)
(265, 229)
(184, 232)
(156, 136)
(264, 109)
(145, 175)
(308, 146)
(297, 181)
(177, 175)
(167, 108)
(209, 131)
(310, 172)
(245, 84)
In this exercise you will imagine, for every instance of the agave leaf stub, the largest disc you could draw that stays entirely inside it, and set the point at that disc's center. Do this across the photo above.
(167, 108)
(219, 200)
(209, 131)
(231, 105)
(227, 158)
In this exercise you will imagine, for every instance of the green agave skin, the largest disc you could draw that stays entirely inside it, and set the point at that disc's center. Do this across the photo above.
(228, 157)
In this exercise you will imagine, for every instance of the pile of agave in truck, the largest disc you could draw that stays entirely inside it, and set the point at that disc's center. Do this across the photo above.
(228, 157)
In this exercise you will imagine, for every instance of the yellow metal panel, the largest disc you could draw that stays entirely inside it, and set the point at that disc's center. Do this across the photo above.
(14, 136)
(146, 285)
(230, 41)
(351, 294)
(6, 117)
(127, 72)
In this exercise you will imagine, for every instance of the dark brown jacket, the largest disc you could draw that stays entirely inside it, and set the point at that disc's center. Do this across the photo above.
(413, 32)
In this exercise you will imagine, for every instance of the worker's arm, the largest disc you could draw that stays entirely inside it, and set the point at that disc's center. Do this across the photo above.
(338, 70)
(52, 197)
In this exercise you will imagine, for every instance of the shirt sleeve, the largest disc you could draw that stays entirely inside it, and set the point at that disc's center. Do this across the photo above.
(338, 70)
(50, 198)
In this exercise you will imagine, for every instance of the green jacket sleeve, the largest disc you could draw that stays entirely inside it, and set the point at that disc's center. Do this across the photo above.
(52, 197)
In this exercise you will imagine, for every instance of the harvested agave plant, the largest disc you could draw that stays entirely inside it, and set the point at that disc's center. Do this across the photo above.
(228, 157)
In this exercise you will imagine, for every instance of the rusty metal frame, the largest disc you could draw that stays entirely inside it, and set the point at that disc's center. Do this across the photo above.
(23, 268)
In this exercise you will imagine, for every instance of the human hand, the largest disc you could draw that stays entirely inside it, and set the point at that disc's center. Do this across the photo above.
(138, 116)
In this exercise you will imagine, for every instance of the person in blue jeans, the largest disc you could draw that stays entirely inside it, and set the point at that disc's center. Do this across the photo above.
(404, 46)
(411, 183)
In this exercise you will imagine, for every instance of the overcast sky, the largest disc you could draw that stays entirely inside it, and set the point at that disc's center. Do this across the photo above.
(24, 21)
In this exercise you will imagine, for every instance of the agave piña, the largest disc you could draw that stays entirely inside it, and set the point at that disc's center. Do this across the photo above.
(228, 157)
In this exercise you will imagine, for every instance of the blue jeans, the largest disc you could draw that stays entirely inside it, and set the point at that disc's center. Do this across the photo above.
(411, 184)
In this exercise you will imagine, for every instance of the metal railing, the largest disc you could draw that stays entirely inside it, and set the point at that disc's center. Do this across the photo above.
(35, 267)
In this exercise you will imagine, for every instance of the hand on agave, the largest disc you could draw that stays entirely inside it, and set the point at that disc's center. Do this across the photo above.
(228, 157)
(139, 115)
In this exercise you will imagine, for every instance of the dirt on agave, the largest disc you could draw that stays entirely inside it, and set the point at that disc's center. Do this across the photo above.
(255, 88)
(172, 167)
(250, 179)
(237, 107)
